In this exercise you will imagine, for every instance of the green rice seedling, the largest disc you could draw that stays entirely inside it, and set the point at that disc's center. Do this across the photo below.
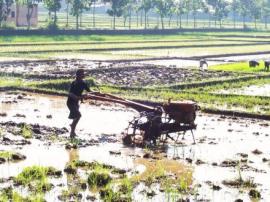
(108, 194)
(26, 131)
(99, 177)
(35, 178)
(5, 154)
(170, 190)
(126, 187)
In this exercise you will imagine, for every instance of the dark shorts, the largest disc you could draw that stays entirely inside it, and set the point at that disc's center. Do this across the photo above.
(74, 111)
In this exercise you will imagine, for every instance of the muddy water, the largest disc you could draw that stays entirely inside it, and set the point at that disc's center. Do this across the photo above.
(179, 63)
(253, 90)
(246, 58)
(39, 108)
(217, 139)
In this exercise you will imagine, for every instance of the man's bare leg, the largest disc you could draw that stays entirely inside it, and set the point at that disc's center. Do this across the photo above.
(73, 127)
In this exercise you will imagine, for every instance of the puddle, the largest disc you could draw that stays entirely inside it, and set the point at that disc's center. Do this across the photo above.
(180, 63)
(37, 108)
(246, 58)
(253, 90)
(218, 138)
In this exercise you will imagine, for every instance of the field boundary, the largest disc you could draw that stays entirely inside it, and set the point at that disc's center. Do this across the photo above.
(11, 32)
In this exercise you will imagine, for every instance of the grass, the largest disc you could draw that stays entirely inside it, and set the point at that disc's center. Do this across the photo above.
(36, 178)
(10, 82)
(201, 95)
(5, 154)
(26, 131)
(8, 194)
(156, 171)
(103, 46)
(39, 46)
(239, 67)
(99, 177)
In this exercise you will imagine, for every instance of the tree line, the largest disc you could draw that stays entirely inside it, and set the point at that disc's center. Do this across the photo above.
(216, 10)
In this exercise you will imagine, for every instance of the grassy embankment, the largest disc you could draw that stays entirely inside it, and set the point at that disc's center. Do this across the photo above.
(207, 97)
(133, 46)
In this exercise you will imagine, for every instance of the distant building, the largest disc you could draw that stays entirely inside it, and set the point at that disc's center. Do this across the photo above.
(18, 15)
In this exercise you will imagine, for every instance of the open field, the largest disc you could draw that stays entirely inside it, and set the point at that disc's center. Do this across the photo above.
(186, 45)
(150, 69)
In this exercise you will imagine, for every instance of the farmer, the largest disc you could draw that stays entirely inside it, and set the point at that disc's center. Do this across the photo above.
(75, 95)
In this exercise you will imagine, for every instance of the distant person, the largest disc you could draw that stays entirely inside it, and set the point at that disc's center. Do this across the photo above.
(75, 95)
(203, 64)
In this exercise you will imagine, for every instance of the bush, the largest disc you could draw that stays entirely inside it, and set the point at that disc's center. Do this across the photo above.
(51, 26)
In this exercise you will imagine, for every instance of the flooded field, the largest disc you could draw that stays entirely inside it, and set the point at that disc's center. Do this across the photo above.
(253, 90)
(127, 74)
(236, 147)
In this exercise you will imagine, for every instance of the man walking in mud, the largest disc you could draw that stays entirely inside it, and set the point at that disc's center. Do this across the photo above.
(75, 95)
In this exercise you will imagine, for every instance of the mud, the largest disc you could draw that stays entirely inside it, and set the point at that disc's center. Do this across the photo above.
(224, 151)
(252, 90)
(122, 74)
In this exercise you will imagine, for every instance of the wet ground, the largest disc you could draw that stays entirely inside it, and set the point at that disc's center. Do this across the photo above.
(117, 73)
(252, 90)
(226, 149)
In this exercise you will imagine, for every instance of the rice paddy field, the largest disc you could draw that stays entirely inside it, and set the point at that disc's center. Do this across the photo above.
(230, 160)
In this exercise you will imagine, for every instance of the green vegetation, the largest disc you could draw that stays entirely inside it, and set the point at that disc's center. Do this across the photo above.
(10, 82)
(36, 178)
(239, 67)
(26, 131)
(125, 14)
(11, 156)
(99, 178)
(206, 96)
(8, 194)
(6, 155)
(133, 46)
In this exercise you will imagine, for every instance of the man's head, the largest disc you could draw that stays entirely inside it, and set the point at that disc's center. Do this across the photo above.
(80, 74)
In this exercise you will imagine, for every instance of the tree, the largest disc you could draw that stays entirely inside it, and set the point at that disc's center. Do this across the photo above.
(244, 9)
(117, 9)
(93, 2)
(30, 4)
(234, 8)
(163, 8)
(196, 5)
(266, 11)
(68, 2)
(53, 6)
(77, 8)
(127, 11)
(179, 11)
(145, 6)
(208, 10)
(255, 11)
(187, 6)
(220, 9)
(171, 10)
(5, 6)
